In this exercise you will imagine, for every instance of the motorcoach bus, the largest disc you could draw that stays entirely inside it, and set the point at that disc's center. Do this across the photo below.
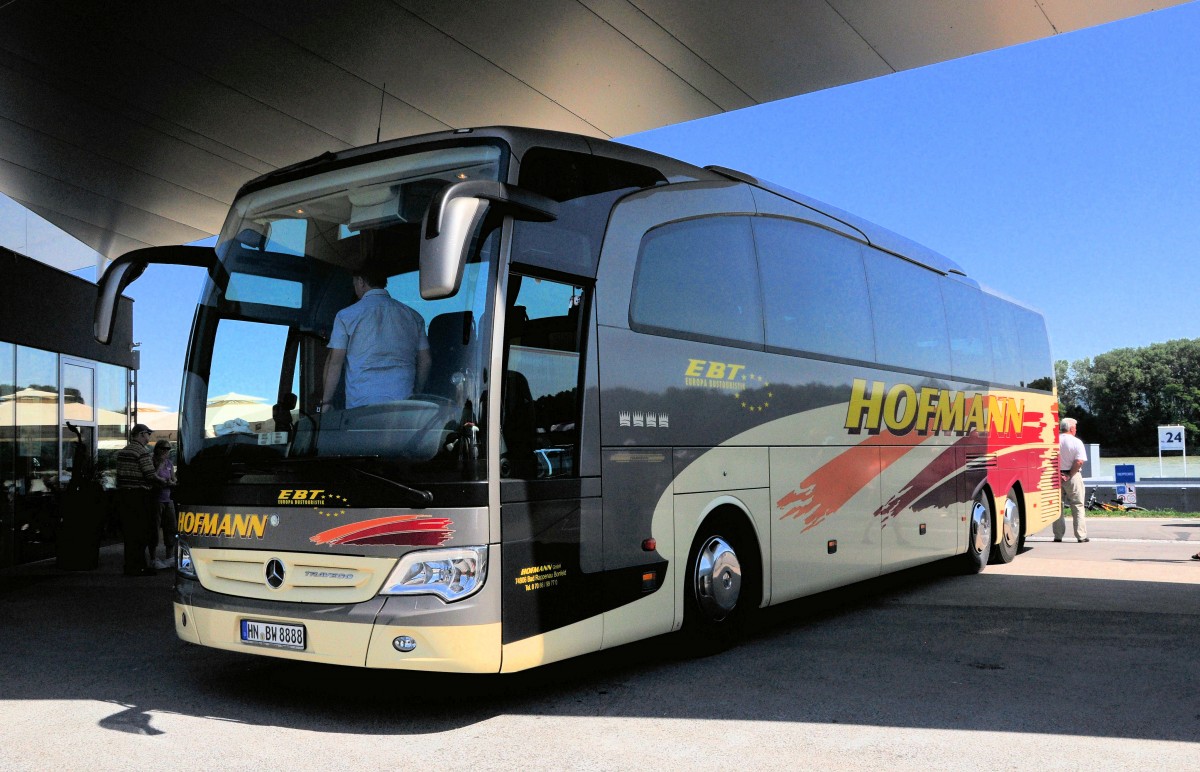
(661, 397)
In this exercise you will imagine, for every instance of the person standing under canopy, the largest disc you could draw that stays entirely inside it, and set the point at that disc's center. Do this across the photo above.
(136, 483)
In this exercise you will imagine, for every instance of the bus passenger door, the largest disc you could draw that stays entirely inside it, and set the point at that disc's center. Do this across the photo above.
(550, 519)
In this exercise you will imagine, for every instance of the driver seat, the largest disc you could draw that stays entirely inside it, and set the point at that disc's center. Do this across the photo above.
(452, 340)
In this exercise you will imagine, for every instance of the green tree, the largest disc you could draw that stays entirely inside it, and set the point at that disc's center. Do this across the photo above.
(1073, 380)
(1129, 392)
(1074, 396)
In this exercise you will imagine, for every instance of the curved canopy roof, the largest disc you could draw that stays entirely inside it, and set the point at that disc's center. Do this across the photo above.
(130, 123)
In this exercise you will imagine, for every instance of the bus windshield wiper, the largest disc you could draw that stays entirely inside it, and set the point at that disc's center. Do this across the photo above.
(424, 497)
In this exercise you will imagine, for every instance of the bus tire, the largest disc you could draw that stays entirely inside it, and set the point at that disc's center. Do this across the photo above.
(720, 587)
(1004, 550)
(979, 535)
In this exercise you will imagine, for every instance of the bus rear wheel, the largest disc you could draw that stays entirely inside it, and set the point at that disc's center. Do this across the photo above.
(719, 597)
(1010, 532)
(979, 535)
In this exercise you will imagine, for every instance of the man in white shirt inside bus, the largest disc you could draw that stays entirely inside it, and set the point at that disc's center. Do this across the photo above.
(382, 344)
(1071, 457)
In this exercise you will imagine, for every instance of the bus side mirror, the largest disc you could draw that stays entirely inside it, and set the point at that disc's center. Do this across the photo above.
(454, 215)
(129, 266)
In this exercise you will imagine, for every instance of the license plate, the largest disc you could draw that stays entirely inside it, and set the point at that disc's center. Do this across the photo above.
(273, 634)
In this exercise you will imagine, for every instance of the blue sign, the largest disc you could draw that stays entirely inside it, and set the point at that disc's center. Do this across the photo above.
(1125, 473)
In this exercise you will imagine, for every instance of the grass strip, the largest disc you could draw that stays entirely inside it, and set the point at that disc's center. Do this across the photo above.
(1161, 513)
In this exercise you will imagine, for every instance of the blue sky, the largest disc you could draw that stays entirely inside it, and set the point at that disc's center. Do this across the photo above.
(1063, 172)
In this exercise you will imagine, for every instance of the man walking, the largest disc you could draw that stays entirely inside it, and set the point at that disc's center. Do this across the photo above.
(1071, 457)
(136, 481)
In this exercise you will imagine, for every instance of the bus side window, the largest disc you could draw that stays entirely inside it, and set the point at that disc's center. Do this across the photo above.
(699, 278)
(814, 290)
(1037, 370)
(910, 321)
(1006, 345)
(970, 342)
(539, 421)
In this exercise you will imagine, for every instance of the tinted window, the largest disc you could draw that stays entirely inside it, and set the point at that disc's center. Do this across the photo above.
(586, 186)
(910, 323)
(1037, 370)
(1006, 346)
(112, 399)
(970, 344)
(564, 176)
(34, 497)
(264, 289)
(814, 290)
(539, 415)
(287, 235)
(699, 277)
(8, 446)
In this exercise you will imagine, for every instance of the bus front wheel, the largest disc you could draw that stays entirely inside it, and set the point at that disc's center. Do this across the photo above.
(720, 588)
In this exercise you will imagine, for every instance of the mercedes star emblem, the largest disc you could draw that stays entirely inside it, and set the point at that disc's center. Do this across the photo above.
(275, 573)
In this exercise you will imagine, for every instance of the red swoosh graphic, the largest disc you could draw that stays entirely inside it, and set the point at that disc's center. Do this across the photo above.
(829, 488)
(926, 481)
(396, 530)
(842, 478)
(932, 486)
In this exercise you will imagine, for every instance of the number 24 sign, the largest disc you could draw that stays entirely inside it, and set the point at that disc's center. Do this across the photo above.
(1170, 438)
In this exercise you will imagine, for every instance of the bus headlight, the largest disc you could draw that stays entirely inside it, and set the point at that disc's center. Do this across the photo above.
(183, 560)
(451, 574)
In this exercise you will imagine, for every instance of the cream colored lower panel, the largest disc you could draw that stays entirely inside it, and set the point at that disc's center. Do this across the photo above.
(825, 532)
(723, 468)
(644, 618)
(185, 623)
(919, 489)
(446, 648)
(334, 643)
(570, 641)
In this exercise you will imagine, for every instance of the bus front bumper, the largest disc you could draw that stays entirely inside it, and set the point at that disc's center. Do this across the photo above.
(398, 632)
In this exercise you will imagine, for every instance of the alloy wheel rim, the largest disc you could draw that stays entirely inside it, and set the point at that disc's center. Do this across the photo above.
(981, 528)
(718, 578)
(1012, 523)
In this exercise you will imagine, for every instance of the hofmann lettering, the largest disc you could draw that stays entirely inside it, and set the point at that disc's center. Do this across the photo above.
(227, 524)
(900, 409)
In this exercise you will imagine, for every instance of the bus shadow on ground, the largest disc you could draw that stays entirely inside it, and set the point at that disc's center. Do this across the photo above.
(919, 649)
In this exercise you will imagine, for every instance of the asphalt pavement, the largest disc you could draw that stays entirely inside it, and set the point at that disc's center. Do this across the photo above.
(1074, 656)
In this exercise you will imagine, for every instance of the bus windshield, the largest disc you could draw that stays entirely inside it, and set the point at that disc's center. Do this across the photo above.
(297, 255)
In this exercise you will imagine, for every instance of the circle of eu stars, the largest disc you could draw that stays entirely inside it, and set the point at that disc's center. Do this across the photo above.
(334, 512)
(755, 382)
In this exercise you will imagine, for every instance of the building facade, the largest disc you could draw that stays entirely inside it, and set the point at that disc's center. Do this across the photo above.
(65, 402)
